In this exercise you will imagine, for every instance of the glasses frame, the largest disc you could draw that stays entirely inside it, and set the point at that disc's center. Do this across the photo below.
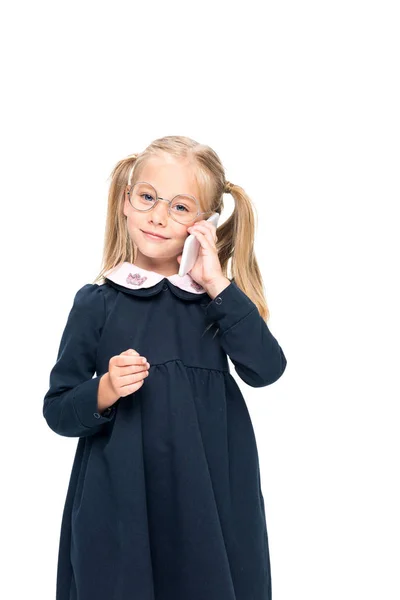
(169, 202)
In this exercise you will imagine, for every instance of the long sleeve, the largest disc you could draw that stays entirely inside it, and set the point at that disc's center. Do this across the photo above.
(245, 337)
(70, 405)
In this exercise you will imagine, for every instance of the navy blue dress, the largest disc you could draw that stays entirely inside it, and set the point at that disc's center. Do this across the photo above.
(164, 500)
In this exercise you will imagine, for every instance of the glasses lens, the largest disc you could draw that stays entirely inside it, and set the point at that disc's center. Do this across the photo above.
(143, 196)
(184, 209)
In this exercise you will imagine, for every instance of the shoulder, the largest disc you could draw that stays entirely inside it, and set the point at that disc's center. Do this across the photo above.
(94, 299)
(89, 296)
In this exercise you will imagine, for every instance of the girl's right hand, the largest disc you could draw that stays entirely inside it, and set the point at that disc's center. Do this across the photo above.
(127, 372)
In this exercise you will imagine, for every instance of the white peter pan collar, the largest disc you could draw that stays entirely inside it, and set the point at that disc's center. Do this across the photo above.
(132, 277)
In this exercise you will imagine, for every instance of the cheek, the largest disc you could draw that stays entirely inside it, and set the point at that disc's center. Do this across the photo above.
(133, 226)
(135, 220)
(180, 233)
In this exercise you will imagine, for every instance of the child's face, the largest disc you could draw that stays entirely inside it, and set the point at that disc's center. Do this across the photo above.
(169, 177)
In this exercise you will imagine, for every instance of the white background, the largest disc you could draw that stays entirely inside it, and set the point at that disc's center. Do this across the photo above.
(301, 102)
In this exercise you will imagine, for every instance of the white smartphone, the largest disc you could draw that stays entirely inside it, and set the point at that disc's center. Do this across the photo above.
(191, 249)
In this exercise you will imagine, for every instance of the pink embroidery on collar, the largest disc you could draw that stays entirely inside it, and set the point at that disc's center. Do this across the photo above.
(135, 279)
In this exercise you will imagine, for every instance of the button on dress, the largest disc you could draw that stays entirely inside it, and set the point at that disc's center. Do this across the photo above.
(164, 500)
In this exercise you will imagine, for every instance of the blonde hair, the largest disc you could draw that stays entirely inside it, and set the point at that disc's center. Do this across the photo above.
(235, 236)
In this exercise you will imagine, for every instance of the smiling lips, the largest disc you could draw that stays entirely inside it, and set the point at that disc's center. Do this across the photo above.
(155, 238)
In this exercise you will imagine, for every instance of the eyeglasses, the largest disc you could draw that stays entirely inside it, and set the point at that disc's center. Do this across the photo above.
(183, 208)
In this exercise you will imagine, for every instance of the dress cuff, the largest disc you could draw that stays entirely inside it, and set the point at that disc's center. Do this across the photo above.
(85, 402)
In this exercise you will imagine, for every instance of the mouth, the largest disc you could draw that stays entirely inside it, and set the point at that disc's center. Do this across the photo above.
(153, 236)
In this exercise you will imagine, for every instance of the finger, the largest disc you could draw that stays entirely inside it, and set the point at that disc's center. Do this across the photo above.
(204, 241)
(124, 360)
(130, 379)
(207, 228)
(129, 370)
(206, 233)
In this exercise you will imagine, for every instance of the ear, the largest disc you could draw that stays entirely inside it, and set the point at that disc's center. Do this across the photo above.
(126, 202)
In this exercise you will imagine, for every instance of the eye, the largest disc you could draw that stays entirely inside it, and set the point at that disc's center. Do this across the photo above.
(182, 206)
(147, 196)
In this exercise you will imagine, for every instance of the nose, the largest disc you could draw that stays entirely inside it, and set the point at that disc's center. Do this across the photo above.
(159, 214)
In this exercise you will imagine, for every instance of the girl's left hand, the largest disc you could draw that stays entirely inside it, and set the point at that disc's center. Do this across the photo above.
(207, 268)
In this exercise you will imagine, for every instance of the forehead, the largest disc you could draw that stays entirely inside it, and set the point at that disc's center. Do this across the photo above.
(169, 175)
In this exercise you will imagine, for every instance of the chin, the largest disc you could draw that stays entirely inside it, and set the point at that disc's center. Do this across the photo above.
(154, 251)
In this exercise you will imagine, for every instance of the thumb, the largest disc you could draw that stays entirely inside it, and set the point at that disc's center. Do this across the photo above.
(130, 351)
(179, 258)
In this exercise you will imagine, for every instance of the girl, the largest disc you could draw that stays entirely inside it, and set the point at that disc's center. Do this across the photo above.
(164, 500)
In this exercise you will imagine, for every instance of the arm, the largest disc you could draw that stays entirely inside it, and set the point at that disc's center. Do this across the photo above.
(71, 405)
(106, 396)
(245, 337)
